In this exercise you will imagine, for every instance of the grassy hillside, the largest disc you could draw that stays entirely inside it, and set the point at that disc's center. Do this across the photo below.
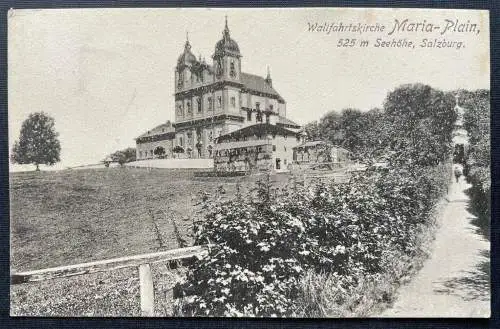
(74, 216)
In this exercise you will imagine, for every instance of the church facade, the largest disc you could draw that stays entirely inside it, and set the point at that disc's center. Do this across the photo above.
(217, 98)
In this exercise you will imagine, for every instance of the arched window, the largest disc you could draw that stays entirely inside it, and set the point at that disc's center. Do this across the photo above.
(232, 70)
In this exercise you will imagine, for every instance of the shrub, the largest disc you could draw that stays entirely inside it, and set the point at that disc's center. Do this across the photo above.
(263, 243)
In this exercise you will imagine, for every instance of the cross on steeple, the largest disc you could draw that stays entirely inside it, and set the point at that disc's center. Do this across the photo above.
(187, 45)
(226, 30)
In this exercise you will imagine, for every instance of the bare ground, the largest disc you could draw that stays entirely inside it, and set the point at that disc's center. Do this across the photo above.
(455, 280)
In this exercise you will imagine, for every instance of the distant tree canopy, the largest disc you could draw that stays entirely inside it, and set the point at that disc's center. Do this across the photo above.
(124, 156)
(414, 127)
(38, 142)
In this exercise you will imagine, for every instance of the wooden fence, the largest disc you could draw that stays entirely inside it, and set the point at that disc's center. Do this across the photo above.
(142, 262)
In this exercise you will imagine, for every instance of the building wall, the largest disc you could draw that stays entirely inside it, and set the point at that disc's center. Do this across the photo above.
(283, 151)
(277, 148)
(145, 150)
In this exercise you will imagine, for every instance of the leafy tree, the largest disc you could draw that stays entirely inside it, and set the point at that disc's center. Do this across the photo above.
(38, 142)
(421, 123)
(313, 131)
(329, 127)
(124, 156)
(159, 151)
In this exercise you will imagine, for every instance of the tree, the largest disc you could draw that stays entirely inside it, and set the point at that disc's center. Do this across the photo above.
(38, 142)
(124, 156)
(159, 151)
(312, 131)
(329, 127)
(421, 121)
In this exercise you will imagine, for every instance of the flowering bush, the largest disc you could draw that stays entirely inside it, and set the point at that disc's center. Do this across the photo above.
(263, 243)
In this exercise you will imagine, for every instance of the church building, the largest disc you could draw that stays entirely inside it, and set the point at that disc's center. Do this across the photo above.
(217, 98)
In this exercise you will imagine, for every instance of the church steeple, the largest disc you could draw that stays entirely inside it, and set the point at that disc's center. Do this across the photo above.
(187, 45)
(225, 33)
(268, 78)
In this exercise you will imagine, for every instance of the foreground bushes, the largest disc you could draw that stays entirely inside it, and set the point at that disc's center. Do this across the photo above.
(263, 244)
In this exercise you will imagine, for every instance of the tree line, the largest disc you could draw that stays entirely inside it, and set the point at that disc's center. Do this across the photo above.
(413, 127)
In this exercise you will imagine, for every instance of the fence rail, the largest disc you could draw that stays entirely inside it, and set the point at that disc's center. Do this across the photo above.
(142, 262)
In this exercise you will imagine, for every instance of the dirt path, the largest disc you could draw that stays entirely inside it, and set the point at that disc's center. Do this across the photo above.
(454, 281)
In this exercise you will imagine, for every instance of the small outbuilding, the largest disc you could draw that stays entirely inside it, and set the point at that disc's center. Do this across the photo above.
(316, 152)
(158, 142)
(262, 146)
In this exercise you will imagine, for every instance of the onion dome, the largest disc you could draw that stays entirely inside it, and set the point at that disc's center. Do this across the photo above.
(186, 58)
(226, 45)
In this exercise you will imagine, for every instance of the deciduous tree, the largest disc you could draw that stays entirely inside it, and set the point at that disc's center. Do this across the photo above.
(38, 142)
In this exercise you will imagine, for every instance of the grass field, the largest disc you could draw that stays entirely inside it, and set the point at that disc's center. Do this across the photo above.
(73, 216)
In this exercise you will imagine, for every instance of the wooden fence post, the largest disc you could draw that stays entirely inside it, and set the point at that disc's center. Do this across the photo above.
(146, 290)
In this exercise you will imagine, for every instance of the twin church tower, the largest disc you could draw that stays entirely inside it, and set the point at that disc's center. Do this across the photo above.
(213, 99)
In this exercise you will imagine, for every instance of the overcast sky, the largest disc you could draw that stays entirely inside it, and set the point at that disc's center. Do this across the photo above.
(107, 75)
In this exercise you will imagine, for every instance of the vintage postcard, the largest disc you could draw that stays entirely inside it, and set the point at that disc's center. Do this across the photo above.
(319, 162)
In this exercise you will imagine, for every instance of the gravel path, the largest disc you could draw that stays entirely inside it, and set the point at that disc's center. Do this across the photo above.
(455, 280)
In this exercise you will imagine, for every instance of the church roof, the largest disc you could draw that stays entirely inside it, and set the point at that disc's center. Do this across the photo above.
(226, 44)
(159, 130)
(187, 57)
(257, 83)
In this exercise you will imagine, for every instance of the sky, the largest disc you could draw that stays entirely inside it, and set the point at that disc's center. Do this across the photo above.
(107, 75)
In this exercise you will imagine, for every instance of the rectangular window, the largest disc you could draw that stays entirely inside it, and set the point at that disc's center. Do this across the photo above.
(271, 109)
(219, 101)
(233, 101)
(140, 154)
(284, 162)
(209, 103)
(267, 118)
(274, 148)
(198, 104)
(257, 106)
(249, 115)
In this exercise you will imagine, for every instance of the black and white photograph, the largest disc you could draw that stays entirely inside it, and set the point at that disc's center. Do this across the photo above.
(249, 162)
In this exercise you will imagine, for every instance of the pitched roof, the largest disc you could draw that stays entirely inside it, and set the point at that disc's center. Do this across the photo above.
(257, 129)
(259, 84)
(159, 130)
(285, 121)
